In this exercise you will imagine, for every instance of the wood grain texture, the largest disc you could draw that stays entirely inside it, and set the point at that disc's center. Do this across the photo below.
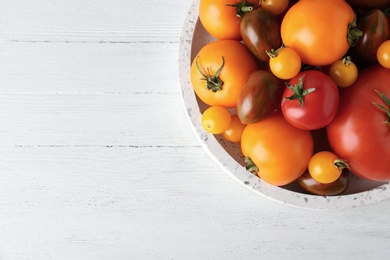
(98, 161)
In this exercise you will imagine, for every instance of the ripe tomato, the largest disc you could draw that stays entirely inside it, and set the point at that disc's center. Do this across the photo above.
(280, 151)
(275, 6)
(220, 71)
(360, 132)
(317, 30)
(311, 100)
(326, 167)
(343, 72)
(221, 18)
(234, 131)
(383, 54)
(285, 63)
(216, 119)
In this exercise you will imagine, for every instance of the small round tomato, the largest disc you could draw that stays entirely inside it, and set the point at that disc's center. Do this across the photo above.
(220, 71)
(343, 72)
(234, 131)
(310, 100)
(320, 31)
(326, 167)
(280, 151)
(383, 54)
(221, 18)
(216, 119)
(275, 6)
(284, 63)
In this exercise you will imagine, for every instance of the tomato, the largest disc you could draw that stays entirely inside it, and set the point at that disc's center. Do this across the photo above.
(221, 18)
(326, 167)
(275, 6)
(234, 131)
(284, 63)
(216, 119)
(311, 100)
(260, 31)
(343, 72)
(220, 71)
(317, 30)
(383, 54)
(360, 132)
(280, 151)
(260, 97)
(369, 4)
(324, 189)
(375, 28)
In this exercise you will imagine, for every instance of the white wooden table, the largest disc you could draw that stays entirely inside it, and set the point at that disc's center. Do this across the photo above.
(98, 160)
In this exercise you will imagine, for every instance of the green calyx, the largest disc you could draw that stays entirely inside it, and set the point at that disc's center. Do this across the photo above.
(242, 8)
(250, 165)
(353, 33)
(340, 164)
(385, 108)
(213, 82)
(299, 92)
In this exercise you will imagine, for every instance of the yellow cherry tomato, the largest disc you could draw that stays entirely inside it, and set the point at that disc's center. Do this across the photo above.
(234, 132)
(216, 119)
(284, 63)
(343, 72)
(326, 167)
(383, 54)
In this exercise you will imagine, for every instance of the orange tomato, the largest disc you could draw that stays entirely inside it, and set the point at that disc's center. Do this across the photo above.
(317, 30)
(221, 18)
(220, 71)
(216, 119)
(280, 151)
(234, 131)
(326, 167)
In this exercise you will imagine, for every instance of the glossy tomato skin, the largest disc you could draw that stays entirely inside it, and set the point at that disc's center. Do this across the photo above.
(260, 30)
(324, 189)
(239, 63)
(317, 30)
(358, 133)
(280, 151)
(260, 96)
(369, 4)
(375, 28)
(318, 108)
(220, 20)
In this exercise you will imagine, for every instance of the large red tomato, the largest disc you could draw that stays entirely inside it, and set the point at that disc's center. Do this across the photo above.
(360, 132)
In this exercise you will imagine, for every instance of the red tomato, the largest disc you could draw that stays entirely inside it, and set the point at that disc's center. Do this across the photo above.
(311, 100)
(360, 132)
(317, 30)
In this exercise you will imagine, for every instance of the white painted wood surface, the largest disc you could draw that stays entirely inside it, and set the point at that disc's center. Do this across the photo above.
(98, 161)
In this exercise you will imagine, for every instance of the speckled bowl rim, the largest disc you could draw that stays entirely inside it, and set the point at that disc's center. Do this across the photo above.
(231, 167)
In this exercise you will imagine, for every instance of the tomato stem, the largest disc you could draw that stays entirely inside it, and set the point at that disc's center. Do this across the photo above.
(340, 164)
(386, 109)
(213, 82)
(347, 61)
(242, 8)
(299, 92)
(274, 53)
(250, 165)
(353, 33)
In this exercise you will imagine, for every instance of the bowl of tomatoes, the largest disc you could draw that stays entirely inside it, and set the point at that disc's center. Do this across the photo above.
(294, 111)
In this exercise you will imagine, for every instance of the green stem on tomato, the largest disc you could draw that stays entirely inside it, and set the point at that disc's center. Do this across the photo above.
(353, 33)
(242, 8)
(384, 108)
(213, 82)
(299, 92)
